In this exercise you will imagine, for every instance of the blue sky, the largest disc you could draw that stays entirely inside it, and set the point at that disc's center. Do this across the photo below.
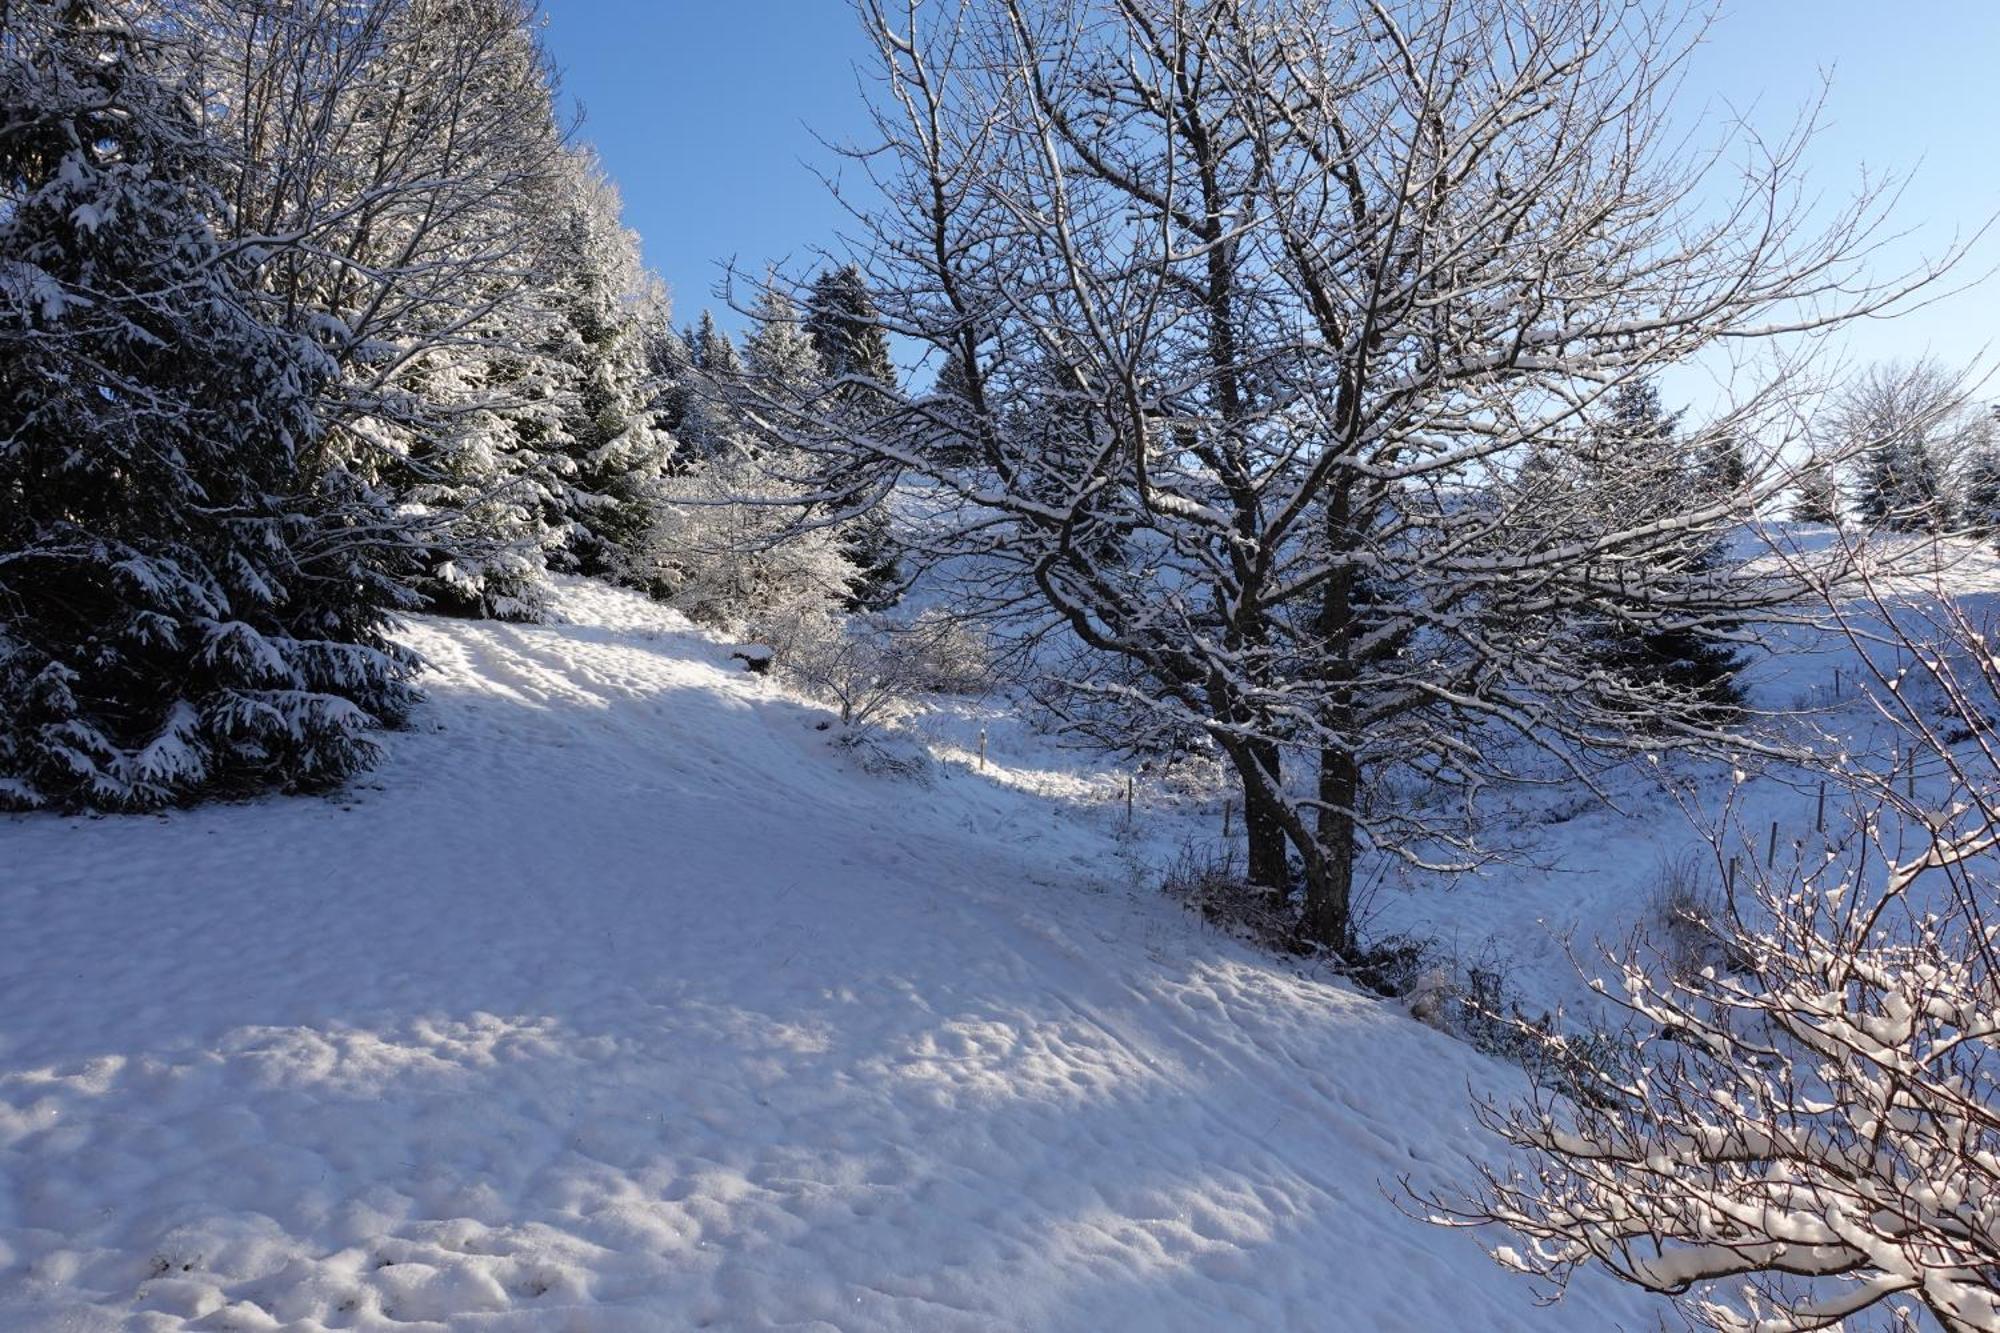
(706, 112)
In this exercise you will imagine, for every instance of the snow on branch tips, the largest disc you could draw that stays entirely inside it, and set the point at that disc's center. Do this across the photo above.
(1811, 1128)
(1312, 393)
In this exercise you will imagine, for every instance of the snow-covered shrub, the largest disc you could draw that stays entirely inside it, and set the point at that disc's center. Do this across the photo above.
(1583, 1065)
(728, 550)
(1398, 967)
(854, 662)
(944, 654)
(1209, 881)
(889, 754)
(1811, 1134)
(1683, 906)
(871, 667)
(193, 599)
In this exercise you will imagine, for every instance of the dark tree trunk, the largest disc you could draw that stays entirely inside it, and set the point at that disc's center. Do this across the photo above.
(1263, 826)
(1259, 772)
(1329, 917)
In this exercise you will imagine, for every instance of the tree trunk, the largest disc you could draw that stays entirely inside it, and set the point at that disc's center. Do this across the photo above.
(1258, 771)
(1329, 917)
(1263, 830)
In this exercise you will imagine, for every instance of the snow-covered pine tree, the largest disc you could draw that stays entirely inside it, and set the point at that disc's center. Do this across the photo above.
(1818, 499)
(409, 151)
(1908, 424)
(1648, 657)
(1981, 507)
(951, 405)
(191, 601)
(739, 540)
(599, 439)
(710, 425)
(669, 364)
(1977, 448)
(779, 351)
(1724, 465)
(846, 330)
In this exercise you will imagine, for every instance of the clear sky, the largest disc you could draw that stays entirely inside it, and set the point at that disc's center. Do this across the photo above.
(706, 111)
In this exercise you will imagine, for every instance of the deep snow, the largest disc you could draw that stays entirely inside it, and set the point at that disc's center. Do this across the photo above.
(619, 999)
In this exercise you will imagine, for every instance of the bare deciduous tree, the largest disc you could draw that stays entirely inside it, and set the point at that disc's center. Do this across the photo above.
(1257, 312)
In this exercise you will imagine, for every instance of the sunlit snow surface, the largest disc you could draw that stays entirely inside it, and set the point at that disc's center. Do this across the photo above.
(618, 999)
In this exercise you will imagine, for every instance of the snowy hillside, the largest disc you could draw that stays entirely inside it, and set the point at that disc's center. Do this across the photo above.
(618, 999)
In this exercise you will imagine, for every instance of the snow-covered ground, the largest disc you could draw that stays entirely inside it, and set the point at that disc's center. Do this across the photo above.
(619, 999)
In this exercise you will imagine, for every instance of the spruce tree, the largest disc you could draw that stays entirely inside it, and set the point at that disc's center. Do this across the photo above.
(1981, 509)
(1909, 423)
(846, 331)
(669, 365)
(1643, 656)
(951, 409)
(1901, 487)
(600, 440)
(1819, 499)
(710, 423)
(1724, 466)
(194, 598)
(780, 352)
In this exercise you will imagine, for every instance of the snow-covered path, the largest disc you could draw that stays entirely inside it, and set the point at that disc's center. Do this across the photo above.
(616, 999)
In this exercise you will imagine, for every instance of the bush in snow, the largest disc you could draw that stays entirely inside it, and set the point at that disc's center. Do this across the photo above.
(1210, 882)
(873, 667)
(1685, 907)
(942, 653)
(188, 601)
(726, 548)
(854, 662)
(1812, 1131)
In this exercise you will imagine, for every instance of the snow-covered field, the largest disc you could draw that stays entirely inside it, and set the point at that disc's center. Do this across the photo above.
(619, 999)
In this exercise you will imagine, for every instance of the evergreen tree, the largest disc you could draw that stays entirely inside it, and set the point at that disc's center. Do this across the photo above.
(194, 599)
(729, 547)
(1981, 509)
(954, 379)
(1901, 487)
(1909, 424)
(1644, 656)
(780, 352)
(1724, 467)
(710, 423)
(846, 331)
(600, 441)
(952, 409)
(669, 366)
(1819, 499)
